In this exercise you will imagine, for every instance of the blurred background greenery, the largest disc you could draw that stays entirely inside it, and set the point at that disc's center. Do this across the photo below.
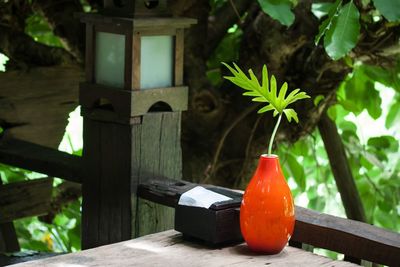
(367, 118)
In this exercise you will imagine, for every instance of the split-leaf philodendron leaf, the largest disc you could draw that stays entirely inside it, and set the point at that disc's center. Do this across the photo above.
(267, 92)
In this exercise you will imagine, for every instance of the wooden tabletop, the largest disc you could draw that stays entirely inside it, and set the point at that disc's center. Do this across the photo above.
(170, 249)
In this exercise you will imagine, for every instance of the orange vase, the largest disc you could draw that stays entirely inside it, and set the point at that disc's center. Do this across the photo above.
(267, 210)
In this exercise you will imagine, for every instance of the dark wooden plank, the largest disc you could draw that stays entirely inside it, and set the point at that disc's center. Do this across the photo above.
(107, 166)
(356, 239)
(128, 68)
(25, 199)
(353, 238)
(107, 184)
(89, 53)
(41, 159)
(91, 186)
(8, 236)
(138, 23)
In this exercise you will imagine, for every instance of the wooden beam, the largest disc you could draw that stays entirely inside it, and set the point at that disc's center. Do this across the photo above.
(40, 159)
(8, 236)
(25, 199)
(353, 238)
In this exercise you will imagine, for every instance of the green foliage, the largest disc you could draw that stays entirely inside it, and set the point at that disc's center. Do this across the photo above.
(39, 29)
(359, 93)
(267, 92)
(279, 10)
(63, 235)
(342, 35)
(221, 54)
(390, 9)
(393, 114)
(327, 23)
(320, 10)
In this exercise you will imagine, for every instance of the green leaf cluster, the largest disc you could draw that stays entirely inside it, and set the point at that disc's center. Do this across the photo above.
(390, 9)
(39, 29)
(267, 92)
(340, 29)
(279, 10)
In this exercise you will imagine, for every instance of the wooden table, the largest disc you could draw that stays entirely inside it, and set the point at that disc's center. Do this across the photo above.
(170, 249)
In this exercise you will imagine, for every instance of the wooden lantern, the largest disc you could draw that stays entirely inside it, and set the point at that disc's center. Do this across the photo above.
(131, 103)
(141, 56)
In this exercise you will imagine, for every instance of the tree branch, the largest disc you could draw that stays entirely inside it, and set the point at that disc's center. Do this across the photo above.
(341, 169)
(223, 19)
(60, 16)
(22, 49)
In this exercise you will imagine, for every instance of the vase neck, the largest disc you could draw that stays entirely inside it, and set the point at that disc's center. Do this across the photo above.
(268, 163)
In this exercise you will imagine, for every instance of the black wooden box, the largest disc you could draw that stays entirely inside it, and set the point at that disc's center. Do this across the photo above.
(215, 225)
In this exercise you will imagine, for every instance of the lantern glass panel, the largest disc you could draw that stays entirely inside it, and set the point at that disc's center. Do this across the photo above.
(157, 55)
(110, 59)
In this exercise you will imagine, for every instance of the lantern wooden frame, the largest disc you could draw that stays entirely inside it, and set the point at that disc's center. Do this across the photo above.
(138, 103)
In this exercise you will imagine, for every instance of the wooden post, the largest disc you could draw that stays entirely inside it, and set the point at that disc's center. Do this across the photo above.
(8, 236)
(117, 157)
(157, 151)
(125, 141)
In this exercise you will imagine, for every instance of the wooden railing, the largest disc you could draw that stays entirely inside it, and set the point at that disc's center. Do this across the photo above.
(352, 238)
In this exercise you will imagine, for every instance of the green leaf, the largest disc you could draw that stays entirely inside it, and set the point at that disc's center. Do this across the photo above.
(342, 36)
(318, 99)
(385, 142)
(267, 92)
(321, 9)
(297, 172)
(360, 93)
(290, 113)
(393, 115)
(390, 9)
(266, 108)
(279, 10)
(326, 24)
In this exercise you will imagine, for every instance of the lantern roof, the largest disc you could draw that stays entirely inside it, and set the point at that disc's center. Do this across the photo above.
(140, 22)
(136, 8)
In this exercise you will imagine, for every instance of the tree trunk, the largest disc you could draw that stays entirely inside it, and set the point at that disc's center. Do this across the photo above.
(341, 169)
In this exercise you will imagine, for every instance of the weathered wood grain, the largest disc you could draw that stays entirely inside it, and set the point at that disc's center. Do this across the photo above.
(169, 249)
(136, 61)
(356, 239)
(36, 102)
(157, 152)
(25, 199)
(106, 216)
(41, 159)
(179, 49)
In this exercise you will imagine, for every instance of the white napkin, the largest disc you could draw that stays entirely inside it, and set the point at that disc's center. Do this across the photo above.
(201, 197)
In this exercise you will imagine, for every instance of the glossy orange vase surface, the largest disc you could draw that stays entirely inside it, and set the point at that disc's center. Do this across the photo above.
(267, 210)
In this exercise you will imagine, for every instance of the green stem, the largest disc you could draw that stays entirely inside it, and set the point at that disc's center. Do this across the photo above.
(271, 141)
